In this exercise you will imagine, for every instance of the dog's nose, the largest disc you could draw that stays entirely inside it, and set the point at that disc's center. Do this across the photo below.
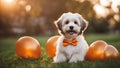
(71, 27)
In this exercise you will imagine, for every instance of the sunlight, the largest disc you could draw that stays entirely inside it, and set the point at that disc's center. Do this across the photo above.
(103, 8)
(100, 10)
(115, 4)
(28, 8)
(9, 1)
(105, 2)
(8, 5)
(117, 17)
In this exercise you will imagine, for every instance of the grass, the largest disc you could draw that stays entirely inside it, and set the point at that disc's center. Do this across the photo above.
(8, 58)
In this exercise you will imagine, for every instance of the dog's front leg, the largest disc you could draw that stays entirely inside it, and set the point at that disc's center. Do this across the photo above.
(75, 58)
(60, 57)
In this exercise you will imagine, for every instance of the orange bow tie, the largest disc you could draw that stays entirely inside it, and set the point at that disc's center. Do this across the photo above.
(67, 42)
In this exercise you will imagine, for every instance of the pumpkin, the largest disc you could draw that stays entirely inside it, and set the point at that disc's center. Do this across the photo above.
(51, 45)
(96, 50)
(111, 52)
(28, 47)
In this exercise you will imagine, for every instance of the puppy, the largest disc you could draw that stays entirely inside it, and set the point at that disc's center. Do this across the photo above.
(71, 45)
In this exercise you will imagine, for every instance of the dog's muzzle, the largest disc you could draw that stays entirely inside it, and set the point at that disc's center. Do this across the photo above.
(71, 30)
(71, 27)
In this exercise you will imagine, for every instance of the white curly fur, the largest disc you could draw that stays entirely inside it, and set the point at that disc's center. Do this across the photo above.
(71, 53)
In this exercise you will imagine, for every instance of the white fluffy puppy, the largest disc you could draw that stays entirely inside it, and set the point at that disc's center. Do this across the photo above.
(71, 46)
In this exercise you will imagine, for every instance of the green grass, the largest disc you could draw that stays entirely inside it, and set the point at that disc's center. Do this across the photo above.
(8, 58)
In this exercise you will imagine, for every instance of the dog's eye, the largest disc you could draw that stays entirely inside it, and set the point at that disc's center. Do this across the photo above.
(75, 22)
(66, 22)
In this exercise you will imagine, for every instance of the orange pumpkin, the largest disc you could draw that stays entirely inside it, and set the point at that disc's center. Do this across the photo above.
(96, 50)
(111, 52)
(51, 45)
(28, 47)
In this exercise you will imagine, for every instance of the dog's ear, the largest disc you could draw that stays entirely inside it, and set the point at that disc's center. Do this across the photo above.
(58, 24)
(84, 23)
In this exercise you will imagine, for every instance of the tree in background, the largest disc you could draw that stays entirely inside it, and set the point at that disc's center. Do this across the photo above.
(34, 17)
(103, 15)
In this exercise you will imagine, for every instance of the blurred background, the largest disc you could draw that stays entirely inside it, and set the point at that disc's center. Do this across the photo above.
(36, 17)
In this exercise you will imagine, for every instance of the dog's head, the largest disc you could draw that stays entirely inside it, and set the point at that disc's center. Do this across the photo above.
(71, 24)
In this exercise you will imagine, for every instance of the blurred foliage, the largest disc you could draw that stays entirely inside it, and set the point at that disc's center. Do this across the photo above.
(34, 17)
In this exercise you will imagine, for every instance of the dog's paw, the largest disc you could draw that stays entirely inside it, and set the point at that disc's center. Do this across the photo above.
(59, 59)
(73, 61)
(76, 58)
